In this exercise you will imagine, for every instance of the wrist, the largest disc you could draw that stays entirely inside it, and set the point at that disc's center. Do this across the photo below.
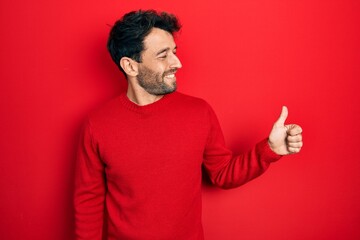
(272, 147)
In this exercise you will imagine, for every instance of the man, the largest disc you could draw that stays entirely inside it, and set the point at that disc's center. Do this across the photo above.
(141, 155)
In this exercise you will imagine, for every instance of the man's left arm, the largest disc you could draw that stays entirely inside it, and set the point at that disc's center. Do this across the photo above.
(227, 170)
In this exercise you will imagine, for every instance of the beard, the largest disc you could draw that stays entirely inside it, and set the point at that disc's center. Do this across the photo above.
(154, 83)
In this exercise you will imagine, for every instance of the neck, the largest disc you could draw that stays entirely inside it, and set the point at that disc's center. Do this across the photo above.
(139, 96)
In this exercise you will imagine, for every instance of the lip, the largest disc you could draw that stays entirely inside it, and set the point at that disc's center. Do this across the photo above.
(170, 76)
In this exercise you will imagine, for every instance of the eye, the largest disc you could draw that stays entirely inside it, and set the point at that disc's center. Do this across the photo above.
(163, 56)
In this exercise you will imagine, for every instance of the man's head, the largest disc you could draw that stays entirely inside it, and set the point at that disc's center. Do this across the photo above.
(127, 35)
(141, 44)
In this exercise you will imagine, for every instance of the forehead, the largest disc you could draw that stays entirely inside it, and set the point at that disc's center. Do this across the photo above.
(158, 39)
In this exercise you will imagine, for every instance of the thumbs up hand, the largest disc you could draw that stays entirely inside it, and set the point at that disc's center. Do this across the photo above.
(285, 139)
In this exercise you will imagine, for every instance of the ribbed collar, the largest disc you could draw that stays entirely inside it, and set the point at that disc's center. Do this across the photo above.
(161, 104)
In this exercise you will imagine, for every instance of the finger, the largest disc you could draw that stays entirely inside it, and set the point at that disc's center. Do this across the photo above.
(293, 129)
(283, 116)
(293, 149)
(295, 144)
(296, 138)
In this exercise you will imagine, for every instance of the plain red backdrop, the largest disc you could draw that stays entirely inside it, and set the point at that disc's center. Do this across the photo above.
(246, 58)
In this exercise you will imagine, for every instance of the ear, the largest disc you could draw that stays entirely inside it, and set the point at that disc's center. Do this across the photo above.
(129, 66)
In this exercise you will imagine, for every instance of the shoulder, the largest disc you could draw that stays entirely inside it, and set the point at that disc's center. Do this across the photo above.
(194, 107)
(105, 112)
(191, 101)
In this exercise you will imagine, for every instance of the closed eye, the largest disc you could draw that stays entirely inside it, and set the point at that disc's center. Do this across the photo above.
(163, 53)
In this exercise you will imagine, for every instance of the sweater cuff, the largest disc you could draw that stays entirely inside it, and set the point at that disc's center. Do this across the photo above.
(266, 153)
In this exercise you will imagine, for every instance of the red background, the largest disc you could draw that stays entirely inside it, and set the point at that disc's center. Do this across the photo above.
(246, 58)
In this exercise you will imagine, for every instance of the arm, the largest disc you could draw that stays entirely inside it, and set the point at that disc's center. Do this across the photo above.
(89, 189)
(227, 170)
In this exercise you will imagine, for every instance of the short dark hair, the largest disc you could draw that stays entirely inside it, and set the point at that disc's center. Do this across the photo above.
(127, 36)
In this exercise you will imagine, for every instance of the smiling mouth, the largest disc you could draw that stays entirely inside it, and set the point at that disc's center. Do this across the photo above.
(171, 76)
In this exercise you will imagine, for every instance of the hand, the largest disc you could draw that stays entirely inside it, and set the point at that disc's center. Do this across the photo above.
(285, 139)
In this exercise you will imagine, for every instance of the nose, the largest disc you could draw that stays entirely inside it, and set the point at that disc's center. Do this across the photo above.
(175, 62)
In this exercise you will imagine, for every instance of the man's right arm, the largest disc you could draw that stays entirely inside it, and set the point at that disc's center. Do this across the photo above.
(89, 189)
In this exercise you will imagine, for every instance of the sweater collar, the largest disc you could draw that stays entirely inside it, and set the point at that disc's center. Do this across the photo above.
(149, 108)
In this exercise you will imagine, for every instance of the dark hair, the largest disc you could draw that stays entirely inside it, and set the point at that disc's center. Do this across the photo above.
(128, 34)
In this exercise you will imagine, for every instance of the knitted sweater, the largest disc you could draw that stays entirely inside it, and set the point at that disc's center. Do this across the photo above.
(139, 168)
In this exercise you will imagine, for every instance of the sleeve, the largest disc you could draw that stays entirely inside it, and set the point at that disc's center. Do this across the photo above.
(227, 170)
(89, 191)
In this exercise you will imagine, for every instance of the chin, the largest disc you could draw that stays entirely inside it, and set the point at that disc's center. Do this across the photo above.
(170, 88)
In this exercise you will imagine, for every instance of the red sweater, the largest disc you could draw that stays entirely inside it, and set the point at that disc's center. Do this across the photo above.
(139, 168)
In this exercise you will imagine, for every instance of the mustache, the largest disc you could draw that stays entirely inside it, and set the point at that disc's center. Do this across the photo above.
(172, 71)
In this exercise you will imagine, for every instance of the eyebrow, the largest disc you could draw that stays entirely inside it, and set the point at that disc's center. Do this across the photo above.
(164, 50)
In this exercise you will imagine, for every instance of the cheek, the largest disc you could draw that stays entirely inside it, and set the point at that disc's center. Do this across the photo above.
(160, 69)
(157, 67)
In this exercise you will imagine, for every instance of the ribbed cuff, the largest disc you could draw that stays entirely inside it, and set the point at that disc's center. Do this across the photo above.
(265, 151)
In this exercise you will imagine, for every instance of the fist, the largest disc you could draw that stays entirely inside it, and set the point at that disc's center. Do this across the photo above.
(285, 139)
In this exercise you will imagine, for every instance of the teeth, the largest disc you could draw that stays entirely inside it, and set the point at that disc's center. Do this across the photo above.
(170, 76)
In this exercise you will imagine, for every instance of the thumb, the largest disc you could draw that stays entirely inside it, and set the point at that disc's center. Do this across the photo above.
(283, 116)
